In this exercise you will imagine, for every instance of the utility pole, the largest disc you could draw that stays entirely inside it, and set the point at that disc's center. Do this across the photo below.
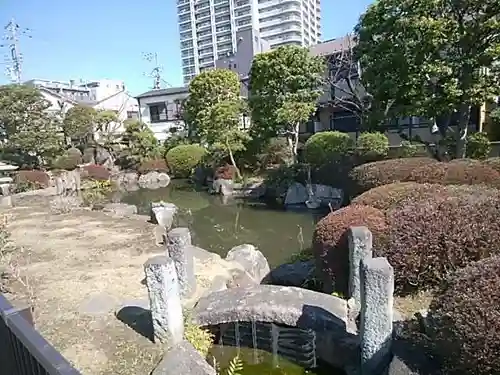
(14, 57)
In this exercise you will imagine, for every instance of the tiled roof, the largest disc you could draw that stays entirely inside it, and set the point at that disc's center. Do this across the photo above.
(329, 47)
(167, 91)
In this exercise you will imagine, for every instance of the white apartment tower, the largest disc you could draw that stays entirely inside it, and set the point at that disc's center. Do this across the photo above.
(209, 28)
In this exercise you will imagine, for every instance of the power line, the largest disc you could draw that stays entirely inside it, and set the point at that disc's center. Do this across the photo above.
(155, 73)
(14, 58)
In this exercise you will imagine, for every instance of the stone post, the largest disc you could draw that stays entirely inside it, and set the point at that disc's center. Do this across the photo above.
(377, 289)
(360, 247)
(178, 239)
(164, 300)
(59, 185)
(163, 213)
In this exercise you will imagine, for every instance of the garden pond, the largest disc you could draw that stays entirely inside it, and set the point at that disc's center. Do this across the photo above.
(218, 226)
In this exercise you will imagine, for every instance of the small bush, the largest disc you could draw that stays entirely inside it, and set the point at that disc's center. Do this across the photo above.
(184, 158)
(200, 338)
(372, 146)
(39, 178)
(394, 195)
(493, 163)
(96, 172)
(456, 172)
(324, 147)
(226, 172)
(424, 241)
(407, 149)
(330, 245)
(478, 146)
(466, 321)
(153, 165)
(275, 152)
(367, 176)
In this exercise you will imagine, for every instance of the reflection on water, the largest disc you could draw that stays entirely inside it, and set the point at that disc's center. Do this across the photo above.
(218, 227)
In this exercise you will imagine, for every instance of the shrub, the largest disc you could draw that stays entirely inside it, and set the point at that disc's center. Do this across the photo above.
(407, 149)
(367, 176)
(426, 240)
(323, 147)
(457, 172)
(35, 177)
(226, 172)
(330, 244)
(184, 158)
(153, 165)
(478, 146)
(372, 145)
(67, 162)
(279, 180)
(390, 196)
(88, 155)
(200, 338)
(96, 172)
(275, 152)
(493, 163)
(466, 321)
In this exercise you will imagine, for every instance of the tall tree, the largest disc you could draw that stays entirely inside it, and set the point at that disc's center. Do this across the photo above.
(434, 58)
(78, 123)
(141, 141)
(285, 85)
(214, 111)
(26, 126)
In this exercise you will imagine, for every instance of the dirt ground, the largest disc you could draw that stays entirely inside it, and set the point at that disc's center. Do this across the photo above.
(77, 269)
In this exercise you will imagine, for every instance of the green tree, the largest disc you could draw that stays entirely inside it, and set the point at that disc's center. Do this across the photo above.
(434, 58)
(78, 123)
(285, 85)
(141, 141)
(214, 109)
(26, 126)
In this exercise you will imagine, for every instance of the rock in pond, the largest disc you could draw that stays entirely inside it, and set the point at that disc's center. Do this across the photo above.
(254, 265)
(163, 214)
(222, 187)
(292, 274)
(120, 209)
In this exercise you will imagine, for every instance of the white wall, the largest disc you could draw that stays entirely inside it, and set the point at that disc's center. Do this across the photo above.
(54, 103)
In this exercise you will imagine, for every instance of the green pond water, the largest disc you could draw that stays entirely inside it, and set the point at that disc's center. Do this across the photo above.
(217, 226)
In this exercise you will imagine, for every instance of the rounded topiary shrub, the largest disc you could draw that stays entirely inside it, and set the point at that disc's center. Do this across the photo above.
(372, 146)
(478, 146)
(96, 172)
(426, 240)
(153, 165)
(389, 196)
(367, 176)
(330, 242)
(324, 147)
(33, 178)
(457, 172)
(465, 319)
(493, 163)
(184, 158)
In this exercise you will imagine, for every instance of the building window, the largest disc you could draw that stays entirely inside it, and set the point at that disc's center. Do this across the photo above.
(158, 112)
(132, 115)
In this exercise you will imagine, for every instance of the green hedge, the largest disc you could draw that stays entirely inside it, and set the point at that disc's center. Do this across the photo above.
(183, 159)
(323, 147)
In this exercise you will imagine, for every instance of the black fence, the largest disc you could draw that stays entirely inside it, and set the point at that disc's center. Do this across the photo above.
(23, 351)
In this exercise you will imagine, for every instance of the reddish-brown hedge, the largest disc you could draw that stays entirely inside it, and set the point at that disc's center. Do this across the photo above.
(330, 244)
(493, 163)
(425, 240)
(393, 195)
(35, 177)
(465, 316)
(226, 172)
(457, 172)
(96, 172)
(153, 165)
(367, 176)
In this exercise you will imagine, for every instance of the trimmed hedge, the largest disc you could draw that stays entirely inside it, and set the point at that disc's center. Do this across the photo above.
(153, 165)
(96, 172)
(457, 172)
(394, 195)
(426, 240)
(324, 147)
(184, 158)
(367, 176)
(465, 318)
(493, 163)
(33, 177)
(478, 146)
(372, 145)
(330, 245)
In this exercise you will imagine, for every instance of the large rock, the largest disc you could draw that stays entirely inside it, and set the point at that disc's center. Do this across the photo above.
(296, 194)
(120, 209)
(292, 274)
(127, 181)
(223, 187)
(154, 180)
(183, 358)
(163, 214)
(254, 263)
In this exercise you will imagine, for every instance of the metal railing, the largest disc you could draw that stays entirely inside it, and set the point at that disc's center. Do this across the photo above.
(23, 351)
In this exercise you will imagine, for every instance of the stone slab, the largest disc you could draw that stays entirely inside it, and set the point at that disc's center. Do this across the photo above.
(183, 359)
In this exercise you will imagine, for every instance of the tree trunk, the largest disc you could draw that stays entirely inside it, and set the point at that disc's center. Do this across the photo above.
(233, 162)
(463, 125)
(293, 141)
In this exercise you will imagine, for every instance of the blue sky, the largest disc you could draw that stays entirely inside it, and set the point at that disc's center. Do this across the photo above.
(96, 39)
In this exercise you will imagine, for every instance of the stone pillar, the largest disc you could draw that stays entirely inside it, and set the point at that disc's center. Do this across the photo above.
(164, 300)
(178, 239)
(377, 289)
(59, 185)
(360, 247)
(163, 213)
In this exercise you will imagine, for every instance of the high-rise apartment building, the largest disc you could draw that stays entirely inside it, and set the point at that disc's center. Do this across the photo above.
(211, 29)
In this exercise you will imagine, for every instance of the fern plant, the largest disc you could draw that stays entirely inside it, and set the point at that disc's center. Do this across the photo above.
(235, 366)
